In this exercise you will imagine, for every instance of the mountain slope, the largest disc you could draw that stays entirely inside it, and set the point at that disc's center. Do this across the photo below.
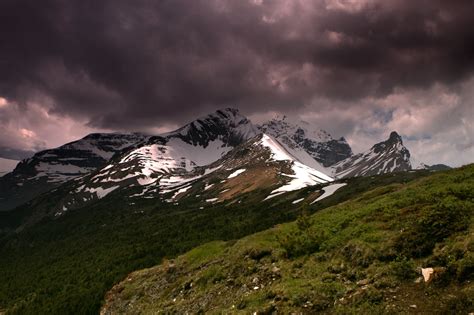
(215, 178)
(146, 161)
(384, 157)
(65, 264)
(357, 257)
(50, 168)
(316, 142)
(196, 144)
(186, 163)
(95, 246)
(171, 170)
(163, 162)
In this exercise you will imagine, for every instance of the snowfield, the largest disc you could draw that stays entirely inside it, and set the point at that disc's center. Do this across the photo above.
(303, 176)
(236, 173)
(329, 190)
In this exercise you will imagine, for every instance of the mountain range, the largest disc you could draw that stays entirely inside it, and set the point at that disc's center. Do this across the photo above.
(82, 216)
(212, 151)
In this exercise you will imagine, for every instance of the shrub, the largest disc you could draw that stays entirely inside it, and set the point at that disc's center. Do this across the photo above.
(304, 240)
(258, 253)
(434, 224)
(458, 304)
(370, 296)
(403, 269)
(465, 268)
(358, 254)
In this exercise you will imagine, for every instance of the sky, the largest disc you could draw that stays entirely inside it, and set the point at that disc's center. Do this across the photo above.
(356, 68)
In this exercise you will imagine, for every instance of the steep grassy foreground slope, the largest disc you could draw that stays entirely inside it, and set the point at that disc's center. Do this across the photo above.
(360, 256)
(66, 265)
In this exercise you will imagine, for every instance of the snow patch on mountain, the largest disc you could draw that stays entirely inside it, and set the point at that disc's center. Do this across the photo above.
(181, 191)
(297, 201)
(303, 175)
(227, 125)
(329, 190)
(289, 126)
(236, 173)
(49, 168)
(101, 192)
(281, 152)
(57, 173)
(198, 155)
(197, 144)
(315, 143)
(208, 186)
(151, 162)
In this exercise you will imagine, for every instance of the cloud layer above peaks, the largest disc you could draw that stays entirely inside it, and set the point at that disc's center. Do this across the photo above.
(140, 65)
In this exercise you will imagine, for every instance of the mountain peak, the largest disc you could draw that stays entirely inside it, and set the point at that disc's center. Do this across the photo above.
(317, 142)
(393, 144)
(226, 124)
(384, 157)
(229, 111)
(289, 126)
(395, 137)
(50, 168)
(229, 116)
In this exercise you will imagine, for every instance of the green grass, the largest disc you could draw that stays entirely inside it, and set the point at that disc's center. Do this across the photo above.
(361, 256)
(66, 265)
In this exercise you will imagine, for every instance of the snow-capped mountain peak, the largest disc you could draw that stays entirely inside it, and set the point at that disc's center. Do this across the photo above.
(290, 126)
(394, 141)
(228, 125)
(284, 154)
(384, 157)
(395, 137)
(280, 152)
(316, 142)
(167, 167)
(50, 168)
(167, 160)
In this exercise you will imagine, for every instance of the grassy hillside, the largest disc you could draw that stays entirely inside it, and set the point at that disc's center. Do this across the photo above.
(66, 265)
(361, 256)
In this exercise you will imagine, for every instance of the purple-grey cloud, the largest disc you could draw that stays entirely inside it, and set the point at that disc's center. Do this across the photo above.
(130, 65)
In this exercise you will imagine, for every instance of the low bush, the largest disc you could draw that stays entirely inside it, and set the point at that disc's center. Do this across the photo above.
(433, 224)
(403, 269)
(303, 240)
(358, 253)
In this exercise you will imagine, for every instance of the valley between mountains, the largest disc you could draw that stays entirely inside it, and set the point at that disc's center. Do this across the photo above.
(77, 219)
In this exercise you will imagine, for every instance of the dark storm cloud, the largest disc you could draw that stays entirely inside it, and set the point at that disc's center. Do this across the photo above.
(15, 154)
(135, 64)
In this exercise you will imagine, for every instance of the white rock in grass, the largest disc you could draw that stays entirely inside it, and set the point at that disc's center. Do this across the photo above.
(427, 272)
